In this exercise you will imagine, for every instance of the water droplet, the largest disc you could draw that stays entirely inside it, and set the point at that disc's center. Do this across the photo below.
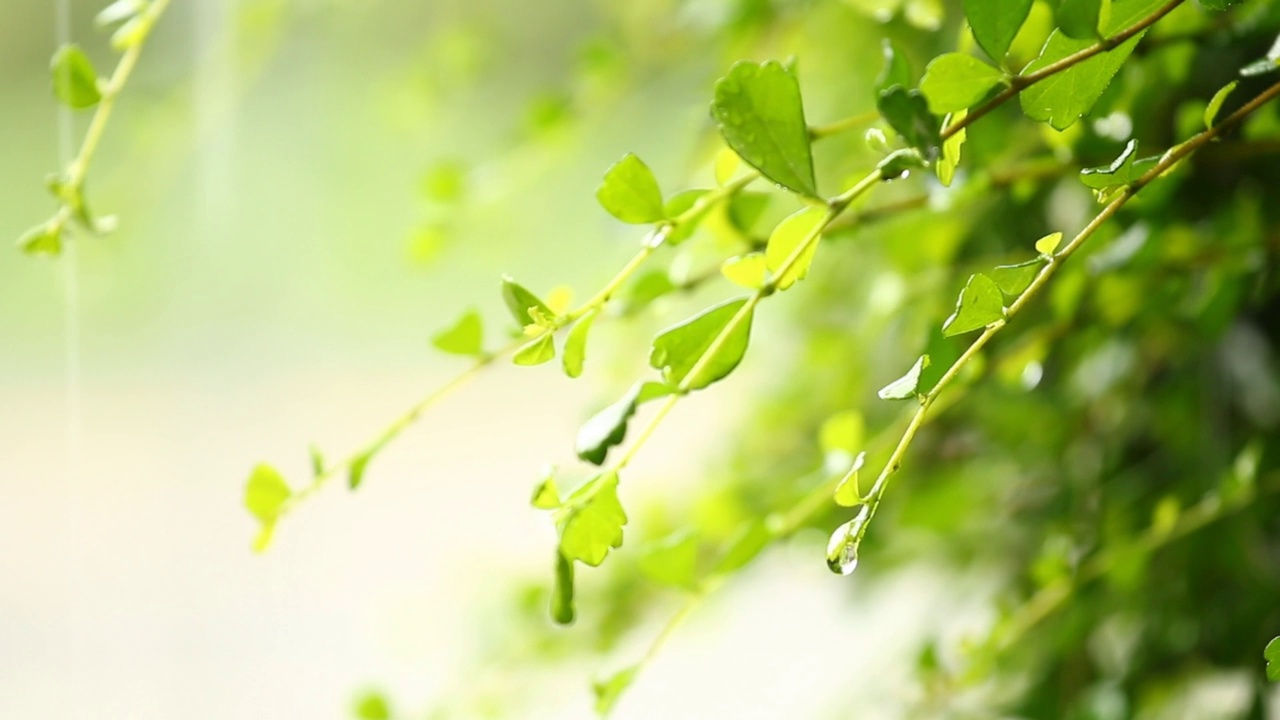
(842, 548)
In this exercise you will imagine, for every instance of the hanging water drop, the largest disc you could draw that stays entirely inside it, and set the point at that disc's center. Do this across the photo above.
(842, 548)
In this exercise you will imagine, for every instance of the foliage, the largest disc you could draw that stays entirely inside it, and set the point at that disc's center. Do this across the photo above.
(1083, 337)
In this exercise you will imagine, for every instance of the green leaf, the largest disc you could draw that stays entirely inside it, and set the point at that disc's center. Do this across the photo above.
(1065, 97)
(609, 690)
(906, 386)
(562, 607)
(118, 11)
(317, 460)
(678, 205)
(1215, 105)
(464, 337)
(1124, 170)
(747, 543)
(896, 70)
(790, 234)
(75, 82)
(671, 561)
(1049, 243)
(631, 193)
(907, 112)
(679, 348)
(1218, 5)
(950, 158)
(980, 304)
(1267, 64)
(956, 81)
(545, 494)
(372, 706)
(591, 521)
(749, 271)
(519, 301)
(900, 163)
(265, 493)
(43, 239)
(1272, 654)
(1013, 279)
(645, 289)
(355, 471)
(537, 351)
(847, 493)
(1079, 19)
(608, 428)
(761, 116)
(575, 345)
(995, 23)
(840, 437)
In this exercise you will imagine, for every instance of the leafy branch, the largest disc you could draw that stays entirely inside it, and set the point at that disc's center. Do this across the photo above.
(77, 86)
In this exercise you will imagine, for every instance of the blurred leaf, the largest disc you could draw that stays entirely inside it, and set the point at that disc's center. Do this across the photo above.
(562, 607)
(519, 301)
(445, 182)
(372, 706)
(955, 81)
(786, 238)
(672, 561)
(840, 438)
(679, 204)
(545, 494)
(750, 540)
(980, 304)
(726, 165)
(995, 23)
(1013, 279)
(355, 471)
(679, 348)
(1267, 64)
(608, 427)
(610, 689)
(761, 115)
(118, 11)
(896, 71)
(540, 350)
(748, 271)
(1272, 654)
(591, 521)
(317, 461)
(847, 493)
(44, 239)
(1215, 105)
(266, 493)
(950, 158)
(631, 193)
(575, 345)
(648, 287)
(906, 386)
(464, 337)
(75, 82)
(907, 112)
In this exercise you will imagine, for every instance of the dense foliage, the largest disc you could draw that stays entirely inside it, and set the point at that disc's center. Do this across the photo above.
(1025, 313)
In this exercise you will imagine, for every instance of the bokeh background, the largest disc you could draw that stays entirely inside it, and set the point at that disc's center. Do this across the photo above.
(281, 260)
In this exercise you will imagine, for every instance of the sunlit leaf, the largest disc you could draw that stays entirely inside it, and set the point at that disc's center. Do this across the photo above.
(761, 115)
(955, 81)
(1215, 104)
(748, 271)
(118, 11)
(610, 689)
(464, 337)
(537, 351)
(590, 522)
(1013, 279)
(519, 301)
(75, 82)
(563, 610)
(848, 493)
(372, 706)
(1049, 243)
(1124, 170)
(545, 494)
(575, 345)
(950, 157)
(680, 348)
(43, 239)
(980, 304)
(631, 193)
(1272, 654)
(1080, 19)
(788, 237)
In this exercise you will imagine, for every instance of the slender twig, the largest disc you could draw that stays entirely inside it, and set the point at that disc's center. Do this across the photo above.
(1021, 82)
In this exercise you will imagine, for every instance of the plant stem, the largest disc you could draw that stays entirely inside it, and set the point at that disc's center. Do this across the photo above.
(1023, 81)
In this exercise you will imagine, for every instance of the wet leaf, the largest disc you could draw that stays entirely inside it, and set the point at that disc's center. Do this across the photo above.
(761, 115)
